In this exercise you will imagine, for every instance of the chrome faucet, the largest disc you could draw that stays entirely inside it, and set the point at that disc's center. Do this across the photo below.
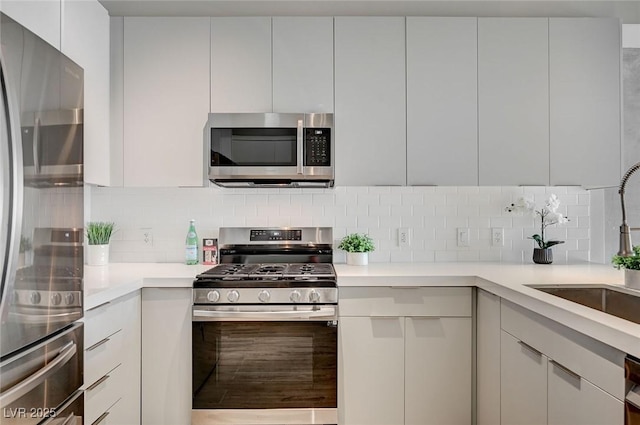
(626, 249)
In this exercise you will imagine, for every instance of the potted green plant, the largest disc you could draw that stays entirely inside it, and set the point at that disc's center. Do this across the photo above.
(98, 235)
(631, 266)
(357, 247)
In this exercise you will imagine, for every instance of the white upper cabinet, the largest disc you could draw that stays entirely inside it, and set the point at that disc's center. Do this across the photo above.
(585, 133)
(442, 106)
(166, 101)
(85, 39)
(42, 17)
(303, 64)
(241, 78)
(513, 101)
(370, 101)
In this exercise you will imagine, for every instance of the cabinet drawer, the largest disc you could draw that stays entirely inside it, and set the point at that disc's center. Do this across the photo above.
(112, 416)
(596, 362)
(102, 321)
(102, 356)
(102, 394)
(434, 301)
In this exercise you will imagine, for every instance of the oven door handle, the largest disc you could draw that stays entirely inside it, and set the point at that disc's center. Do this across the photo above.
(324, 313)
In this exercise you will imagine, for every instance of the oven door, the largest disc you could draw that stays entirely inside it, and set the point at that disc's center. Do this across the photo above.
(265, 364)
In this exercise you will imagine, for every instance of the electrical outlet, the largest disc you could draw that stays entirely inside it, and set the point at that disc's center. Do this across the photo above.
(146, 234)
(497, 236)
(463, 236)
(403, 237)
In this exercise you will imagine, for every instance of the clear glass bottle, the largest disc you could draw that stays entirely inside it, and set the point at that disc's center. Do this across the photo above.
(191, 251)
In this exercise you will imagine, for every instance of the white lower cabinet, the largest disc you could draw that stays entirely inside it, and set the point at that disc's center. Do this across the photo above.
(166, 356)
(523, 383)
(405, 356)
(112, 362)
(574, 400)
(550, 374)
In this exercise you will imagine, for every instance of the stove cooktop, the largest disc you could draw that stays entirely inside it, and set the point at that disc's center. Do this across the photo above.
(270, 271)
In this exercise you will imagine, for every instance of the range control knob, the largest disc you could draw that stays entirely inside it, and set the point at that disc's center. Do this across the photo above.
(295, 296)
(264, 296)
(213, 296)
(233, 296)
(314, 297)
(56, 298)
(34, 298)
(69, 298)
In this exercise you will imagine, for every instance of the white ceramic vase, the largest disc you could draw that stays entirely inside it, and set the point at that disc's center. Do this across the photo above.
(97, 255)
(632, 278)
(357, 258)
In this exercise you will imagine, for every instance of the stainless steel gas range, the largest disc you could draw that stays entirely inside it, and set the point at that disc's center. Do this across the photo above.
(265, 329)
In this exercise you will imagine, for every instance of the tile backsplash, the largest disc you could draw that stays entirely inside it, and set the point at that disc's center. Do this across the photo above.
(432, 215)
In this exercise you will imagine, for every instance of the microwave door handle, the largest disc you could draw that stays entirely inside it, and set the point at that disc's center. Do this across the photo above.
(300, 144)
(36, 145)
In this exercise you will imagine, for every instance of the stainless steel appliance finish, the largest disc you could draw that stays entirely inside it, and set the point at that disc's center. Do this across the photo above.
(265, 329)
(270, 150)
(37, 382)
(41, 262)
(626, 248)
(632, 386)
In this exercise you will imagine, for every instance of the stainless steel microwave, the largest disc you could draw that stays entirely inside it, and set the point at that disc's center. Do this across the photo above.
(270, 149)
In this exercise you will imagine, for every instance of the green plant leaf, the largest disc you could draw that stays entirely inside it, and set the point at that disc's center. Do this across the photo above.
(631, 262)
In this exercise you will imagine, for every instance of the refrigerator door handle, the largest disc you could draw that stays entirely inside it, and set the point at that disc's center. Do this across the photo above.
(65, 354)
(12, 185)
(36, 145)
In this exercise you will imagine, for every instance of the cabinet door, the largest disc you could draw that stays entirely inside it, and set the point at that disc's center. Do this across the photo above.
(513, 101)
(488, 358)
(523, 383)
(241, 65)
(303, 64)
(442, 106)
(85, 39)
(166, 356)
(584, 61)
(574, 400)
(370, 107)
(41, 17)
(371, 371)
(438, 371)
(166, 101)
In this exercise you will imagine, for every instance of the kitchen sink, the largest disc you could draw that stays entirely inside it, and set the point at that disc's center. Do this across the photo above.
(616, 301)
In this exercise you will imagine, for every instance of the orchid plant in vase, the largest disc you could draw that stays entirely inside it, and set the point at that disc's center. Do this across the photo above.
(549, 216)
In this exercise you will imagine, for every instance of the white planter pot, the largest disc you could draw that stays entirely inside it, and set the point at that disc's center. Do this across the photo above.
(357, 258)
(97, 255)
(632, 278)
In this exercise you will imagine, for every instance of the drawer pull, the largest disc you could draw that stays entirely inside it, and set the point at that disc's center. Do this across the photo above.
(98, 306)
(530, 348)
(565, 369)
(98, 344)
(405, 287)
(98, 382)
(101, 418)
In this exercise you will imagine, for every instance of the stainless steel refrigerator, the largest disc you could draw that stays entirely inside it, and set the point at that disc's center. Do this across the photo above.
(41, 231)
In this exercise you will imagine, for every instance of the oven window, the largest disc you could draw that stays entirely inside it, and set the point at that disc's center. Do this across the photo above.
(272, 147)
(264, 365)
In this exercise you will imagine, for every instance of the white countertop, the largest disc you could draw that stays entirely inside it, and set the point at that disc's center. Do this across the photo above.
(508, 281)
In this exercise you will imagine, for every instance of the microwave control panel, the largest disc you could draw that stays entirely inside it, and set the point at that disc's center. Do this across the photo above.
(317, 147)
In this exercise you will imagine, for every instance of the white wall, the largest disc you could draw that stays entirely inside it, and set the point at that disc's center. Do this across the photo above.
(432, 214)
